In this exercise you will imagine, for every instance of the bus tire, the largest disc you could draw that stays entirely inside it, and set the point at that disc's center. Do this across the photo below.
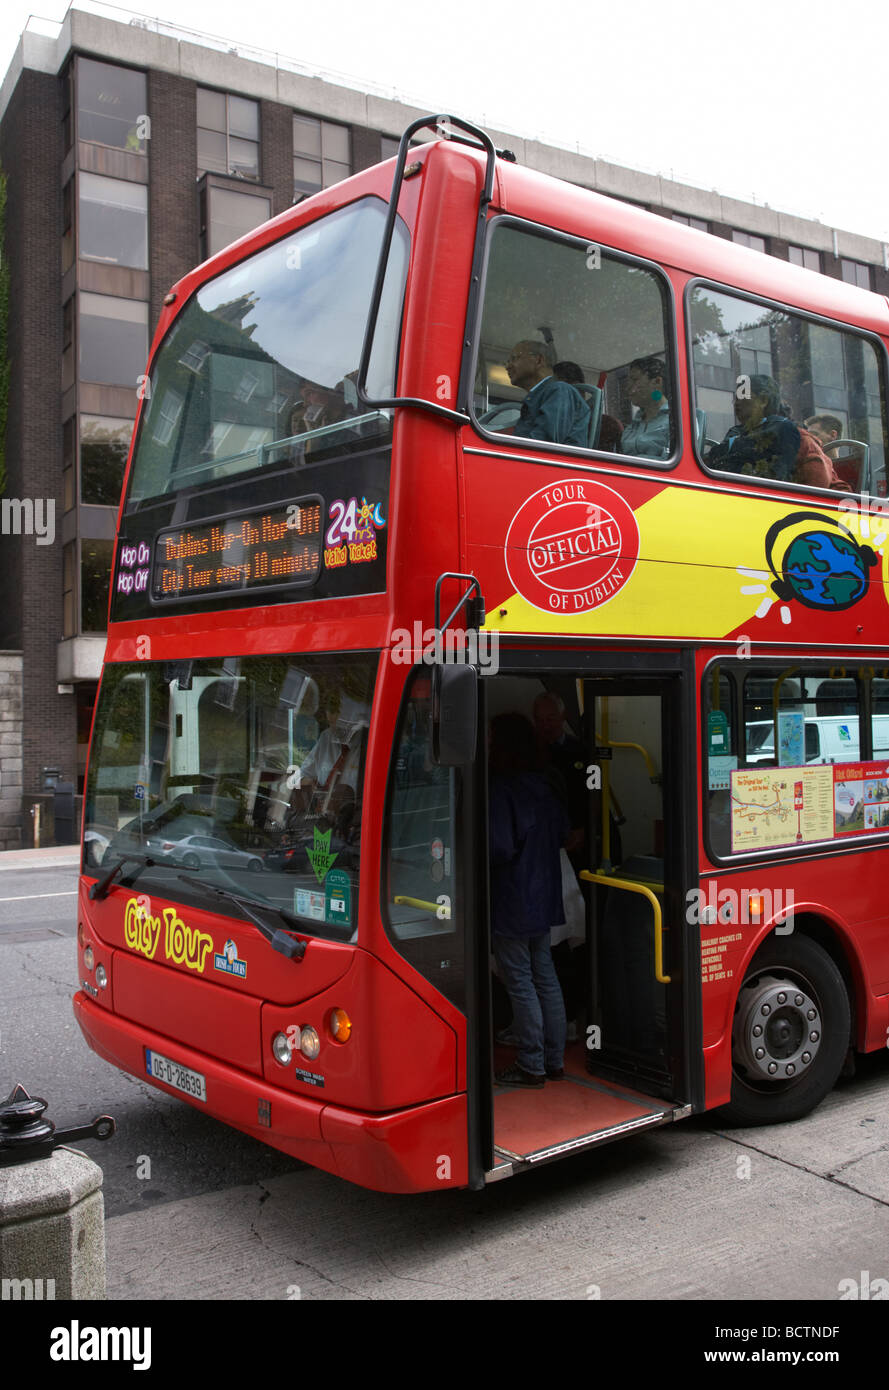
(790, 1033)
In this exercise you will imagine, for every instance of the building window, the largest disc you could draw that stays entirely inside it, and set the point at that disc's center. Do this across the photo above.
(804, 256)
(95, 578)
(321, 154)
(113, 339)
(69, 569)
(104, 444)
(68, 343)
(68, 498)
(68, 226)
(67, 105)
(755, 243)
(113, 221)
(855, 273)
(389, 144)
(229, 214)
(228, 134)
(111, 105)
(694, 222)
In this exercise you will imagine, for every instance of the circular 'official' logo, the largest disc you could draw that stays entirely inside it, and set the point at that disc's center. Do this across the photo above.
(572, 546)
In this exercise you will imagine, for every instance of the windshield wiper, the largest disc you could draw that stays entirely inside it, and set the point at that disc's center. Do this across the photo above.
(101, 886)
(278, 940)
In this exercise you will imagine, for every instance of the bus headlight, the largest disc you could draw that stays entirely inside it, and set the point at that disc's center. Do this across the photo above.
(340, 1025)
(309, 1043)
(101, 977)
(89, 959)
(281, 1049)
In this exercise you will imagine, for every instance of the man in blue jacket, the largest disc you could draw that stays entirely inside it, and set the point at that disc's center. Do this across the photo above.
(553, 409)
(528, 826)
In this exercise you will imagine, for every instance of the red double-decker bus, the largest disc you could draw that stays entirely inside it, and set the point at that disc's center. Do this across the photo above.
(454, 440)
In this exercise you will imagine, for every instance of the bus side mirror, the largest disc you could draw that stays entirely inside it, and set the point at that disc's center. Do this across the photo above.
(454, 714)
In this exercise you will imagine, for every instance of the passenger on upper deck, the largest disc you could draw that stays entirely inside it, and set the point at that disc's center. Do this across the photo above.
(649, 433)
(767, 444)
(553, 409)
(825, 428)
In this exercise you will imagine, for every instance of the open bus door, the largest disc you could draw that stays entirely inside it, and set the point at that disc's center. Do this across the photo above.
(633, 1034)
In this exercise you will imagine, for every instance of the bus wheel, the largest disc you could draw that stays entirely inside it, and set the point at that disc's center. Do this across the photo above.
(790, 1034)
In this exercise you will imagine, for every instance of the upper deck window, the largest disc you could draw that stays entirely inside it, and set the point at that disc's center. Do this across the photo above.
(259, 368)
(779, 396)
(574, 347)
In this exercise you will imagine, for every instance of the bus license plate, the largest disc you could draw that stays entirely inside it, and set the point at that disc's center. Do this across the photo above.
(190, 1083)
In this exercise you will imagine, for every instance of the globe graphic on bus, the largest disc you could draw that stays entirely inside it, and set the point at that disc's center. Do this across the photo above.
(825, 570)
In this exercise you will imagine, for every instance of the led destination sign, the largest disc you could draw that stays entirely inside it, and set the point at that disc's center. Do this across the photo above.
(262, 549)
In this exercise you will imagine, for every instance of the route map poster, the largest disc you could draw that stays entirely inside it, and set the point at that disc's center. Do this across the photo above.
(778, 806)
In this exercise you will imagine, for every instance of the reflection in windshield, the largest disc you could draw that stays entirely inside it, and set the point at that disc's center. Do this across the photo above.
(260, 367)
(246, 773)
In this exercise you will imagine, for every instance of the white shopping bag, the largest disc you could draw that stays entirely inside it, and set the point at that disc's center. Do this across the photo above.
(573, 929)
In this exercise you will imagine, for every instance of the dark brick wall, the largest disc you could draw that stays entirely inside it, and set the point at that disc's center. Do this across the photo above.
(366, 148)
(173, 231)
(276, 133)
(31, 574)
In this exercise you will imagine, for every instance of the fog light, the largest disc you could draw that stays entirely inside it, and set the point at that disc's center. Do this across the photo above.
(340, 1025)
(89, 958)
(281, 1049)
(101, 977)
(309, 1043)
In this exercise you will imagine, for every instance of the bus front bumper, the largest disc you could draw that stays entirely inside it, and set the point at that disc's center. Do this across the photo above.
(418, 1149)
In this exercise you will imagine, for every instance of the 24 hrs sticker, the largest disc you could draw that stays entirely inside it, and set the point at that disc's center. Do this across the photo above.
(352, 532)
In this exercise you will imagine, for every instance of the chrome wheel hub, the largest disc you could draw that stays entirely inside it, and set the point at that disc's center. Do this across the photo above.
(777, 1030)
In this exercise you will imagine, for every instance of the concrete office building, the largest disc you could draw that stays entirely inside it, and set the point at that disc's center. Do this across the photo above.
(133, 149)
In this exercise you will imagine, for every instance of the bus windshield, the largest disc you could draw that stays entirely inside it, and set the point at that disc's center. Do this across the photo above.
(259, 368)
(243, 774)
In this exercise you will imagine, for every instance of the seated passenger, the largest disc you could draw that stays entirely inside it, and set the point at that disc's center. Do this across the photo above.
(766, 443)
(648, 435)
(570, 372)
(318, 406)
(552, 410)
(825, 428)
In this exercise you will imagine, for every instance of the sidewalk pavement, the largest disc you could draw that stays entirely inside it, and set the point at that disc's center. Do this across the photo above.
(52, 857)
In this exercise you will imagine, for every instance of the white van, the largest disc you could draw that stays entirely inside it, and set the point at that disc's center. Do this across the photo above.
(829, 739)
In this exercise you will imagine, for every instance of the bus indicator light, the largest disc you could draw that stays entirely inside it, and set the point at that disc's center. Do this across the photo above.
(340, 1025)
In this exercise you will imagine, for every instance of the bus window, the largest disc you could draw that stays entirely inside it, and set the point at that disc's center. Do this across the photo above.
(815, 712)
(421, 907)
(720, 754)
(760, 371)
(573, 347)
(259, 368)
(246, 774)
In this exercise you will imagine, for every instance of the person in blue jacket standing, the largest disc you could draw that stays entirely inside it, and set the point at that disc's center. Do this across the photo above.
(528, 826)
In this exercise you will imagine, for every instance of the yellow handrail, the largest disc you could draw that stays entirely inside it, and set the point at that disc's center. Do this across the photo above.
(611, 882)
(440, 910)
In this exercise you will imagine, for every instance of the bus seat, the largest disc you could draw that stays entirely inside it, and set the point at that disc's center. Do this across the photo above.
(700, 428)
(850, 466)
